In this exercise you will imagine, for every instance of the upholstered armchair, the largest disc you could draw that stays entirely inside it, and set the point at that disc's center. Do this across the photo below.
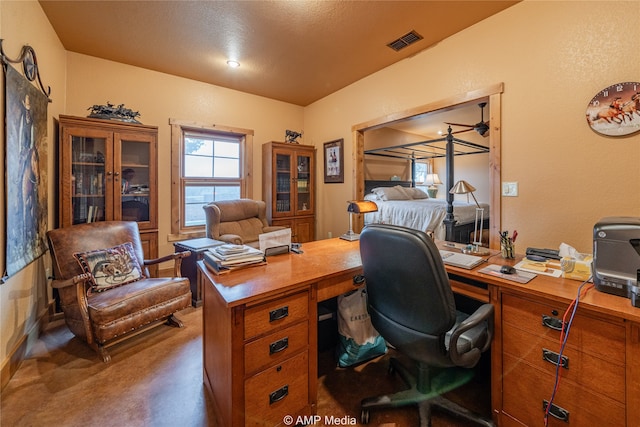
(238, 221)
(106, 292)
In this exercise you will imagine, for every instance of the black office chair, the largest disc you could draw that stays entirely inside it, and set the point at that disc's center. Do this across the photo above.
(411, 305)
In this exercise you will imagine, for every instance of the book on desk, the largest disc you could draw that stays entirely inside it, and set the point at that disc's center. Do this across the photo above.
(461, 260)
(229, 257)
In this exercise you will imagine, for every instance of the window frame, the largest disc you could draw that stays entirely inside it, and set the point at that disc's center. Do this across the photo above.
(179, 129)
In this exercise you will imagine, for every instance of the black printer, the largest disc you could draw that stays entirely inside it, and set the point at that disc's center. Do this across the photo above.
(616, 257)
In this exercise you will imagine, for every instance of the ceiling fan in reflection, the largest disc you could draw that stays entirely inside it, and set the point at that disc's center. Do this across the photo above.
(481, 127)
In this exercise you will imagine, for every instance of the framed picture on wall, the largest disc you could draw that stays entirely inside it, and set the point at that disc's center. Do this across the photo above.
(334, 161)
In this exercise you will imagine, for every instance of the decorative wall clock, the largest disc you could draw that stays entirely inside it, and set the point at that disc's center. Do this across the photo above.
(615, 110)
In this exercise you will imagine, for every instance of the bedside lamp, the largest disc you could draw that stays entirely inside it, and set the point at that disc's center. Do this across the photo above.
(357, 207)
(432, 180)
(463, 187)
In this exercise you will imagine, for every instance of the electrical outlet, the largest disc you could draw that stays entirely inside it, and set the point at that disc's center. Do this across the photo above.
(510, 189)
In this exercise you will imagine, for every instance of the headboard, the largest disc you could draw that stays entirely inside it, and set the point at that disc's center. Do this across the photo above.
(371, 184)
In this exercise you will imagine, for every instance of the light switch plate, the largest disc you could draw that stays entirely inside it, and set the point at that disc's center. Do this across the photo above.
(510, 189)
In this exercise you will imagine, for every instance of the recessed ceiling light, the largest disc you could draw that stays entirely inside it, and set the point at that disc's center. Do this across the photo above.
(233, 64)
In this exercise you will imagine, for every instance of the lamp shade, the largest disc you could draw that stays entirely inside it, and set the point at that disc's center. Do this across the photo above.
(432, 179)
(362, 206)
(462, 187)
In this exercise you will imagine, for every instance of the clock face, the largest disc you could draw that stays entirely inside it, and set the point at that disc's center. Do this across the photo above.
(615, 110)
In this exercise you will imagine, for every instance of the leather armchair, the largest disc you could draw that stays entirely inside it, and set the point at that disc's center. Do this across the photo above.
(101, 318)
(238, 221)
(411, 305)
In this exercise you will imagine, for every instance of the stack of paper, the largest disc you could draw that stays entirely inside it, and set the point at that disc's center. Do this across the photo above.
(460, 260)
(229, 257)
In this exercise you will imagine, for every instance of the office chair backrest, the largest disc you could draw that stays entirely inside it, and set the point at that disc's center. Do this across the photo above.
(410, 300)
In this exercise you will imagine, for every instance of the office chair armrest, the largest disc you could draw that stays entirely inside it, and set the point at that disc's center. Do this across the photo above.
(176, 257)
(470, 358)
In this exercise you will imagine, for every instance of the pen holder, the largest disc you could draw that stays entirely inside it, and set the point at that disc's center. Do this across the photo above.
(507, 249)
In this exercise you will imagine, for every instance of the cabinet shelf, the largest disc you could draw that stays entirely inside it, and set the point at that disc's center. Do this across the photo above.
(94, 153)
(289, 188)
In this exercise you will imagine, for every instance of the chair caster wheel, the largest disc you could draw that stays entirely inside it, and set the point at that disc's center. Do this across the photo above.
(364, 416)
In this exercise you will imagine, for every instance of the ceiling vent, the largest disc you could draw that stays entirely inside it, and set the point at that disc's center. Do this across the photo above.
(404, 41)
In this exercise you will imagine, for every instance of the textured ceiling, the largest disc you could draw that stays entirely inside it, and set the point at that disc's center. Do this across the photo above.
(293, 51)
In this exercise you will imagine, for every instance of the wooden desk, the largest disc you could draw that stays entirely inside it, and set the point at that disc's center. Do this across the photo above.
(259, 370)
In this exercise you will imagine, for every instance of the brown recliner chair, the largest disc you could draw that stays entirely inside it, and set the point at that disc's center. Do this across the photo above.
(116, 297)
(238, 221)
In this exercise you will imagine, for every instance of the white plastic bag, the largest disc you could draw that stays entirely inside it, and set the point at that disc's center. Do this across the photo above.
(358, 341)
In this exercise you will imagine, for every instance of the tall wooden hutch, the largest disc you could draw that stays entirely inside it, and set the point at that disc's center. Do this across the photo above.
(288, 187)
(108, 171)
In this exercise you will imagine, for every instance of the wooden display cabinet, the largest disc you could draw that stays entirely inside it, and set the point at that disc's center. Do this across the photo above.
(108, 171)
(288, 187)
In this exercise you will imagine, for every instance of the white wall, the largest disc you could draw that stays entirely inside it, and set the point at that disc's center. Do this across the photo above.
(553, 57)
(25, 296)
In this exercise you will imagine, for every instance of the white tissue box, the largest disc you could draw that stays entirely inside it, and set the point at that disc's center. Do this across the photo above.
(577, 269)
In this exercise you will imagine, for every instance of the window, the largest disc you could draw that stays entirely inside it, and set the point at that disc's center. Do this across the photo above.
(420, 172)
(210, 164)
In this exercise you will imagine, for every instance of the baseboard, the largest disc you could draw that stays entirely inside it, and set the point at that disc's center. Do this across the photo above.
(19, 352)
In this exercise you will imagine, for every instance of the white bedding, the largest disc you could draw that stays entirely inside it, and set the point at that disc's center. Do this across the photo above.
(422, 214)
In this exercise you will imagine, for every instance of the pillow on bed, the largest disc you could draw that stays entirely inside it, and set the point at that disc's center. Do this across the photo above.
(415, 193)
(391, 193)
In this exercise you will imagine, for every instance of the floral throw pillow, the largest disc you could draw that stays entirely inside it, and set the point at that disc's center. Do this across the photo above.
(111, 267)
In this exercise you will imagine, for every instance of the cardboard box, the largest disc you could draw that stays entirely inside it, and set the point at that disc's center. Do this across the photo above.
(573, 268)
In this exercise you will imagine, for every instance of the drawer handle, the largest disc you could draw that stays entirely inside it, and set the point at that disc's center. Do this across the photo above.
(278, 313)
(553, 357)
(556, 411)
(278, 346)
(552, 322)
(358, 280)
(278, 395)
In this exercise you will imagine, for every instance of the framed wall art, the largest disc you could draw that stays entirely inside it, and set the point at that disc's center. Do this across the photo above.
(25, 163)
(334, 161)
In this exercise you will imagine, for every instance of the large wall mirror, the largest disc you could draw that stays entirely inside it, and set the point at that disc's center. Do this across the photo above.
(407, 146)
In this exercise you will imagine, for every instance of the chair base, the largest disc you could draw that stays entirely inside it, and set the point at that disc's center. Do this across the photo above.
(425, 391)
(102, 351)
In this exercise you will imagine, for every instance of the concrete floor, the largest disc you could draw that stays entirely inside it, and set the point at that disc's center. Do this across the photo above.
(155, 379)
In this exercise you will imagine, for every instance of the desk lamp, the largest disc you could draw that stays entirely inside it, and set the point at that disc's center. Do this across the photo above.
(357, 207)
(432, 180)
(463, 187)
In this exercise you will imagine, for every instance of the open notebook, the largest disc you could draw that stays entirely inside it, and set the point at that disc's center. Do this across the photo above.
(458, 259)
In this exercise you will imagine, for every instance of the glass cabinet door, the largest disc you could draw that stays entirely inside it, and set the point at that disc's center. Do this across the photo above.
(283, 196)
(304, 201)
(132, 179)
(89, 186)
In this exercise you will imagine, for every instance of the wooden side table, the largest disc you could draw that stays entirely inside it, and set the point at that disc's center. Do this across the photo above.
(188, 268)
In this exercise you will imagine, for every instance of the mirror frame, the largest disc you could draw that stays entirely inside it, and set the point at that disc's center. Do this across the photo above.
(494, 94)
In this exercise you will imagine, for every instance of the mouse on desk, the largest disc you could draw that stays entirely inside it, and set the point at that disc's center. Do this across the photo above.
(507, 269)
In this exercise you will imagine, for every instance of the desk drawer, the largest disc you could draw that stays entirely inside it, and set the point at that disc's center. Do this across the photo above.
(597, 337)
(596, 374)
(278, 391)
(525, 388)
(329, 288)
(275, 347)
(275, 314)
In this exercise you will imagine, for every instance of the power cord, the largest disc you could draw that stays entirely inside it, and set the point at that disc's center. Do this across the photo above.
(564, 336)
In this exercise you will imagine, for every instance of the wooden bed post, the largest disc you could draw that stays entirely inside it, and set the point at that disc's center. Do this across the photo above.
(449, 220)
